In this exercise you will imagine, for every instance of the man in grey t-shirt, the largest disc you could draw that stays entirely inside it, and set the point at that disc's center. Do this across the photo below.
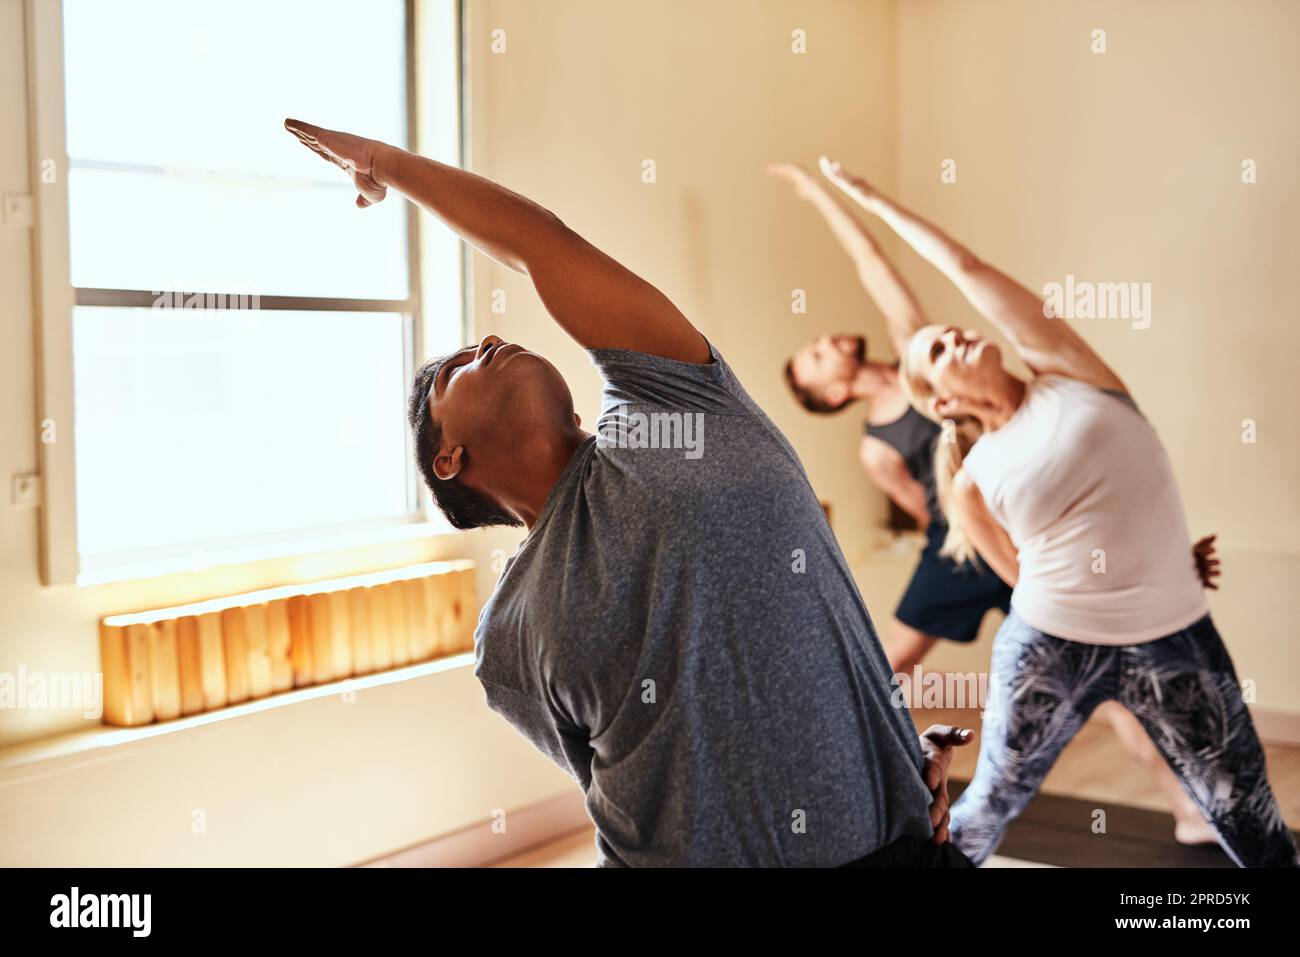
(679, 630)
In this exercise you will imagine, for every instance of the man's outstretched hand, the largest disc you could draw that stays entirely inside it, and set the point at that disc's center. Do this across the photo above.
(796, 176)
(355, 155)
(937, 742)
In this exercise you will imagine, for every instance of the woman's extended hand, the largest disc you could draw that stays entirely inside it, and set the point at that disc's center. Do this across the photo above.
(851, 183)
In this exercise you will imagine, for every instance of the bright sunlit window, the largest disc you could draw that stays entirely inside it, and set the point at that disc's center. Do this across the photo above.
(244, 335)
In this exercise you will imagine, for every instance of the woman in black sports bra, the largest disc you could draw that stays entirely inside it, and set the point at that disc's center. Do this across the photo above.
(944, 599)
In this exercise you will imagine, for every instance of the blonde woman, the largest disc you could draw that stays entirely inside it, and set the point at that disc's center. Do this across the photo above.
(1061, 485)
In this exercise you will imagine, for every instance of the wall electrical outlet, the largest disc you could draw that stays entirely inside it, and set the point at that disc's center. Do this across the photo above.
(26, 491)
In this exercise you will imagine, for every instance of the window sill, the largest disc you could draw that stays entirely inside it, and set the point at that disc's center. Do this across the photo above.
(104, 736)
(245, 553)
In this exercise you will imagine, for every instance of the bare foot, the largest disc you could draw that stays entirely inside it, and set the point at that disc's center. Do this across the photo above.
(1194, 830)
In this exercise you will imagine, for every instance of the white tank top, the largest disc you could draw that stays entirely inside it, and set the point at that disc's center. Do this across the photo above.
(1080, 481)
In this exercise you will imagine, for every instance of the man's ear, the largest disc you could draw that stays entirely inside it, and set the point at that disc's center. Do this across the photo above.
(447, 464)
(577, 420)
(945, 408)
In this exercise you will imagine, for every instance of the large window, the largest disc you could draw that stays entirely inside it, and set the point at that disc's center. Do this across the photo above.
(243, 335)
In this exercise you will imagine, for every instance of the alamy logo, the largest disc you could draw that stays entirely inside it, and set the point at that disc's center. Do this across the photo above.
(653, 430)
(1098, 300)
(41, 690)
(177, 299)
(102, 910)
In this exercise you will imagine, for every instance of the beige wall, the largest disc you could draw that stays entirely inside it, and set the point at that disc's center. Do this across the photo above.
(586, 91)
(1125, 166)
(1114, 167)
(710, 92)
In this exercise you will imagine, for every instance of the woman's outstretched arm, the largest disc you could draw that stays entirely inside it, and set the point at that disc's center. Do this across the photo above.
(1046, 343)
(887, 289)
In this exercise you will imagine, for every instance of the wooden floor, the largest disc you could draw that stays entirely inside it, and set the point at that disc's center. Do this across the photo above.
(1093, 767)
(573, 850)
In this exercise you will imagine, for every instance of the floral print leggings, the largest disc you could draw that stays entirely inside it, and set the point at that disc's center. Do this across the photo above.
(1184, 691)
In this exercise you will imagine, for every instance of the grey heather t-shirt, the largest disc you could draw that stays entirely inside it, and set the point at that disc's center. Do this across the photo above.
(680, 632)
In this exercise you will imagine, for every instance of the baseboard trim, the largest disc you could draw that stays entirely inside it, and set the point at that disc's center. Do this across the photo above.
(1277, 727)
(478, 845)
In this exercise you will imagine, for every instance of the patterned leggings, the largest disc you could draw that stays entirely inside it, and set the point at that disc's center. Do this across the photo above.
(1184, 691)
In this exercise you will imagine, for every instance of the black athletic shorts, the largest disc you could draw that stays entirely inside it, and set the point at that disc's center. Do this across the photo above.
(947, 600)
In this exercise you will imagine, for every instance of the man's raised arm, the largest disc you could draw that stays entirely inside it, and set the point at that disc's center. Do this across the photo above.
(887, 289)
(595, 300)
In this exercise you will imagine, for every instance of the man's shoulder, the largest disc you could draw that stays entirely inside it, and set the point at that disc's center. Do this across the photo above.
(674, 384)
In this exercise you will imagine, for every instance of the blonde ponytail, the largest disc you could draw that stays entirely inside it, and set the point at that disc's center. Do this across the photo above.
(955, 441)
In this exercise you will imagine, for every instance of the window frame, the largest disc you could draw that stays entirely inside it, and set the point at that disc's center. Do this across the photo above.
(54, 298)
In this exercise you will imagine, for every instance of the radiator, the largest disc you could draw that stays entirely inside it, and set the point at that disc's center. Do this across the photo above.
(169, 662)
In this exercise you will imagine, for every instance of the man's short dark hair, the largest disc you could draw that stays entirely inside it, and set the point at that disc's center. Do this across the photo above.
(807, 398)
(464, 507)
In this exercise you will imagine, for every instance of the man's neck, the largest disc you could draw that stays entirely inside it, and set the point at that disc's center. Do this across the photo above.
(872, 378)
(540, 467)
(877, 384)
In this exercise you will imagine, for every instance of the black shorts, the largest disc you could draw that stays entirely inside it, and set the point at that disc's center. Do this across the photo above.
(947, 600)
